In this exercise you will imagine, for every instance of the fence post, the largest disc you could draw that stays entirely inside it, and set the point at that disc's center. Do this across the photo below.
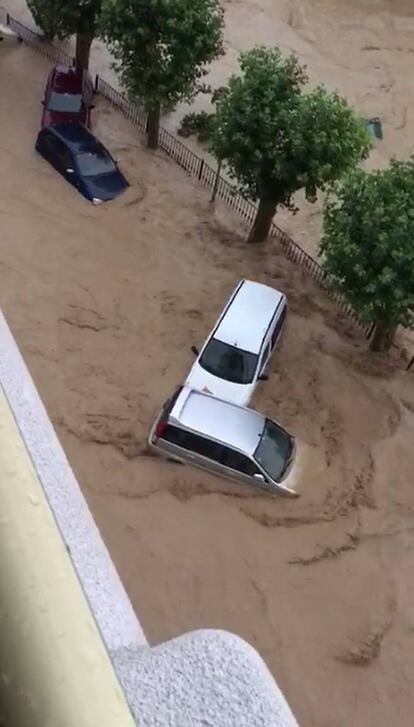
(96, 83)
(370, 331)
(7, 19)
(200, 171)
(216, 181)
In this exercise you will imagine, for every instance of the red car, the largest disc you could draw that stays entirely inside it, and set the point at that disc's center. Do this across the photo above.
(68, 97)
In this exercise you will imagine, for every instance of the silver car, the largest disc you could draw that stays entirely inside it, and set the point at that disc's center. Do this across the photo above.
(227, 440)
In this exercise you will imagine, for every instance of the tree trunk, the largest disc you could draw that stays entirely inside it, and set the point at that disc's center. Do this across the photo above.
(264, 216)
(83, 47)
(153, 127)
(383, 336)
(48, 35)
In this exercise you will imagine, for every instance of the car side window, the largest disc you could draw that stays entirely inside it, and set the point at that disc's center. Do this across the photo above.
(278, 326)
(192, 442)
(60, 148)
(177, 436)
(239, 462)
(205, 447)
(52, 146)
(47, 140)
(265, 356)
(55, 146)
(67, 158)
(211, 450)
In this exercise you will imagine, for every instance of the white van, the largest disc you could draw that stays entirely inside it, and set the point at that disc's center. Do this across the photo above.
(235, 355)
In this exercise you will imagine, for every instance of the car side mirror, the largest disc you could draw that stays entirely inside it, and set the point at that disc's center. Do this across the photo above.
(259, 477)
(263, 377)
(69, 171)
(194, 350)
(42, 102)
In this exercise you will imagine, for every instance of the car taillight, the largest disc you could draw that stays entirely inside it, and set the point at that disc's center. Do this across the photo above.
(160, 428)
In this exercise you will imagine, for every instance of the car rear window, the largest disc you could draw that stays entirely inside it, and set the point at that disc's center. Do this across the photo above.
(228, 363)
(65, 103)
(274, 450)
(94, 164)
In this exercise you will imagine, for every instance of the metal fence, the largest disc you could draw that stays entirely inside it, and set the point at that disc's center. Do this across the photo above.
(133, 112)
(195, 165)
(38, 43)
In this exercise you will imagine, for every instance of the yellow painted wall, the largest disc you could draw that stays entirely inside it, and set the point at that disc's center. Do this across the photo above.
(54, 669)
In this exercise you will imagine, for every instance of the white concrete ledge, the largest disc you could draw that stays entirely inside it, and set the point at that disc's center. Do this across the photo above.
(206, 678)
(200, 679)
(53, 664)
(100, 581)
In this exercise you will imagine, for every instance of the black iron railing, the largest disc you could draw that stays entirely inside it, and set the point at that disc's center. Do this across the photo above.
(38, 43)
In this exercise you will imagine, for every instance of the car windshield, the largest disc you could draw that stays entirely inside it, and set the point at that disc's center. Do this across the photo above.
(94, 164)
(65, 102)
(228, 362)
(274, 450)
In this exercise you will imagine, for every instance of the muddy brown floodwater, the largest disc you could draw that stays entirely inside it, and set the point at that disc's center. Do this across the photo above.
(362, 49)
(105, 303)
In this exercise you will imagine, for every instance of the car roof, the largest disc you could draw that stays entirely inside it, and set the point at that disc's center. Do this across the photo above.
(66, 79)
(247, 317)
(75, 135)
(221, 420)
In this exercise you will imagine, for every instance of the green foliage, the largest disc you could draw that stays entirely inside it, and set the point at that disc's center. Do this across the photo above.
(46, 15)
(368, 242)
(275, 138)
(200, 124)
(65, 17)
(162, 47)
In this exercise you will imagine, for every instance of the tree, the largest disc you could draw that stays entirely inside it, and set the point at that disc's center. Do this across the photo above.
(162, 48)
(46, 16)
(276, 139)
(82, 18)
(368, 249)
(69, 17)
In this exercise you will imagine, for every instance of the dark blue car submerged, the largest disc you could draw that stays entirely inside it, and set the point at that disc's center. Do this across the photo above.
(76, 154)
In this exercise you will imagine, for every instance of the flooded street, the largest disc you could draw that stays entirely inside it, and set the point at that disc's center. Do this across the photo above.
(105, 303)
